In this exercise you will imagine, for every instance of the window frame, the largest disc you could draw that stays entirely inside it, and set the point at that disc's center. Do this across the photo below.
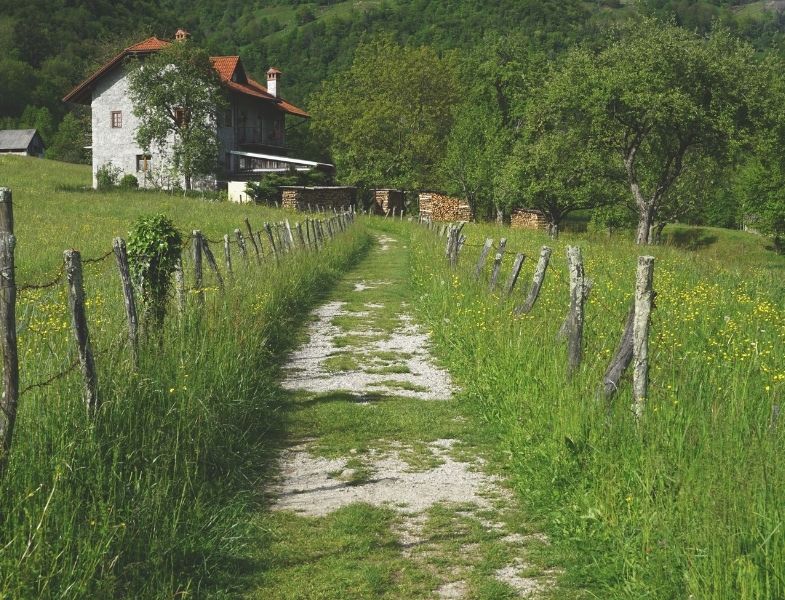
(116, 119)
(143, 160)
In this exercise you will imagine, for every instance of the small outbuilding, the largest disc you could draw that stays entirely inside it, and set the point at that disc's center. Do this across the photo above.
(24, 142)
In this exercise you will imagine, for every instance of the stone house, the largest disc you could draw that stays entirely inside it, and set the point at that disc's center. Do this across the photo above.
(251, 132)
(24, 142)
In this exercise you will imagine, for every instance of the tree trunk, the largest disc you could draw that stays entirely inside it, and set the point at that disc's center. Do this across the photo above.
(499, 215)
(553, 230)
(645, 220)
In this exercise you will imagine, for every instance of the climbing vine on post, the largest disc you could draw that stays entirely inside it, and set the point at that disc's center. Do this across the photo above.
(154, 247)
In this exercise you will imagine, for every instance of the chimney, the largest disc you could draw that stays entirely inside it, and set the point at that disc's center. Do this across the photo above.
(181, 35)
(273, 75)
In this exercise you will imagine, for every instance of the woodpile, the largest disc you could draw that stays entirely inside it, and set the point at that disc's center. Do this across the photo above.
(384, 200)
(310, 198)
(527, 218)
(438, 207)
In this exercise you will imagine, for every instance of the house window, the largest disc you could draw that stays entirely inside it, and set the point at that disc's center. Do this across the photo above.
(143, 163)
(180, 117)
(117, 119)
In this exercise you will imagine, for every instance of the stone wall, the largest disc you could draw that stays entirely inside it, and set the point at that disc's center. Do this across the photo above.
(384, 200)
(311, 198)
(439, 207)
(526, 218)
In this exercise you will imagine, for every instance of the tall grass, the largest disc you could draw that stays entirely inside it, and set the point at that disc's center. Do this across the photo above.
(150, 499)
(690, 502)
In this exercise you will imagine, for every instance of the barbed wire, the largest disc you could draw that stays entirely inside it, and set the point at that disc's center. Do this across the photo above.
(42, 286)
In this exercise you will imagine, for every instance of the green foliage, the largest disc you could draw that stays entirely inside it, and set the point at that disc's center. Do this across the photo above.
(129, 181)
(154, 249)
(176, 93)
(107, 176)
(266, 189)
(386, 117)
(69, 141)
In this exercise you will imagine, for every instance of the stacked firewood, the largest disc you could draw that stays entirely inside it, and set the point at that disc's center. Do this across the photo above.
(527, 218)
(439, 207)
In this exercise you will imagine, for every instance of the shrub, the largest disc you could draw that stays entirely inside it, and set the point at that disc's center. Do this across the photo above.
(154, 247)
(129, 181)
(107, 175)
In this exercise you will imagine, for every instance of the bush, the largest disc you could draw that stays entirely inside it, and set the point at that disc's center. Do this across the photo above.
(154, 247)
(107, 175)
(129, 181)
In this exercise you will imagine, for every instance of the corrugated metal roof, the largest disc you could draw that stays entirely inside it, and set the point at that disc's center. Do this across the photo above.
(16, 139)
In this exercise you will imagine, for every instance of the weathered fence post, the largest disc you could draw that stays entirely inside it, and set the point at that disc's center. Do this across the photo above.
(269, 231)
(197, 255)
(73, 273)
(456, 243)
(308, 232)
(448, 244)
(621, 357)
(228, 255)
(208, 254)
(516, 269)
(644, 294)
(483, 257)
(497, 264)
(575, 324)
(241, 245)
(258, 235)
(299, 229)
(539, 277)
(289, 234)
(121, 254)
(10, 398)
(253, 239)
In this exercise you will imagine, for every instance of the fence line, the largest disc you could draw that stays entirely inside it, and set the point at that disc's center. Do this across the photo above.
(633, 345)
(72, 273)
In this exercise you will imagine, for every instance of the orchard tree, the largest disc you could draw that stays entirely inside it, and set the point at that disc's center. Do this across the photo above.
(385, 119)
(655, 98)
(176, 94)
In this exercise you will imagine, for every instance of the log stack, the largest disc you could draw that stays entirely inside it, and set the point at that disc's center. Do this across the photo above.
(527, 218)
(438, 207)
(384, 200)
(299, 197)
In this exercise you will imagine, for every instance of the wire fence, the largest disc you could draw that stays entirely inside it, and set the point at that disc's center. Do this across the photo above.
(41, 316)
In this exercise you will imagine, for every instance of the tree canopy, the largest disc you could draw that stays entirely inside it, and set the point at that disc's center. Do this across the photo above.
(177, 96)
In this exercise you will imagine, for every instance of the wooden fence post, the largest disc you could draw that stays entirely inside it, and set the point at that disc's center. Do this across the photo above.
(258, 235)
(269, 231)
(497, 264)
(253, 239)
(9, 401)
(241, 245)
(289, 233)
(483, 257)
(644, 294)
(197, 254)
(308, 232)
(6, 211)
(121, 254)
(539, 277)
(621, 357)
(516, 269)
(208, 254)
(300, 235)
(228, 255)
(575, 323)
(73, 273)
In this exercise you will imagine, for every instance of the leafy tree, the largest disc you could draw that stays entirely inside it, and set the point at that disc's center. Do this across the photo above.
(68, 143)
(176, 94)
(385, 118)
(654, 99)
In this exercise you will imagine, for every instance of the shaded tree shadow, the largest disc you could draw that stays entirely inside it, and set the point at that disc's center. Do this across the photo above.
(690, 239)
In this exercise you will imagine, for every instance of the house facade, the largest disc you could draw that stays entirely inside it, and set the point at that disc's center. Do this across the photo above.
(23, 142)
(252, 126)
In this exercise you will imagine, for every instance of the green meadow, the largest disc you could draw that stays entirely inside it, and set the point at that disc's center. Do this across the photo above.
(150, 499)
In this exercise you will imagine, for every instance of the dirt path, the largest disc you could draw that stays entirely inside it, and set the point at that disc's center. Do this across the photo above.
(383, 491)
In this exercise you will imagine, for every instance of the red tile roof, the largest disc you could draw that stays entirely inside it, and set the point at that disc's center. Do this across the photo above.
(226, 66)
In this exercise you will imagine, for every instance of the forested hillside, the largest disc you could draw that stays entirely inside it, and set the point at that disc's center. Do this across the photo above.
(46, 47)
